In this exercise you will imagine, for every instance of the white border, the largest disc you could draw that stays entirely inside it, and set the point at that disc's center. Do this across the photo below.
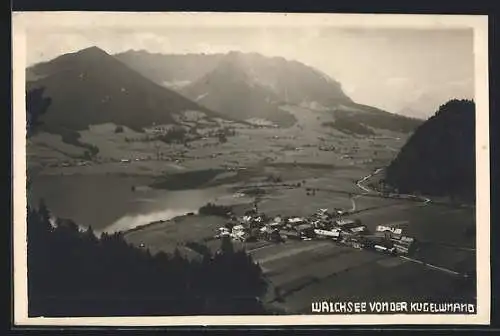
(86, 20)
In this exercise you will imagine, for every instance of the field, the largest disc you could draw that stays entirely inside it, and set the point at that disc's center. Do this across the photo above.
(304, 272)
(306, 143)
(166, 236)
(317, 167)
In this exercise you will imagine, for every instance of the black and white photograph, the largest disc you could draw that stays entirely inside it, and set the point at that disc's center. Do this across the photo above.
(237, 168)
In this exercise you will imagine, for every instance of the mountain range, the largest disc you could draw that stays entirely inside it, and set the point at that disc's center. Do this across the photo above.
(253, 86)
(138, 89)
(241, 85)
(290, 81)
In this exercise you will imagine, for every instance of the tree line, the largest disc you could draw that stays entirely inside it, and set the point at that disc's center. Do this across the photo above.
(72, 272)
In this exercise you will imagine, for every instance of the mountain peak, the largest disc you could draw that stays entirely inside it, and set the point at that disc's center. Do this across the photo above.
(91, 87)
(94, 50)
(233, 53)
(233, 56)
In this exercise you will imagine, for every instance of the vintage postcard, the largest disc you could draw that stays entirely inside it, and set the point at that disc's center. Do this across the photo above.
(250, 169)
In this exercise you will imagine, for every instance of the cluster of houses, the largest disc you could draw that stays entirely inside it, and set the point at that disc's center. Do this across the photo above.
(333, 226)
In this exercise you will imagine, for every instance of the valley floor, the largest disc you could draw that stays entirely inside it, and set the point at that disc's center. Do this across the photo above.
(133, 187)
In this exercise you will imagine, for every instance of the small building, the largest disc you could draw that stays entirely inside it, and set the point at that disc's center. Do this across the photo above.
(316, 223)
(276, 224)
(370, 241)
(331, 234)
(305, 231)
(389, 232)
(405, 245)
(296, 221)
(270, 234)
(290, 234)
(223, 232)
(321, 212)
(346, 222)
(359, 229)
(239, 233)
(356, 244)
(266, 229)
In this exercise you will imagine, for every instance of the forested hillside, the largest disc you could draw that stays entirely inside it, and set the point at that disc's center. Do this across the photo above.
(439, 158)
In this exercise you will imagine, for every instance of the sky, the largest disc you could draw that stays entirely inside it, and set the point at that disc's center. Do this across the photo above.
(401, 70)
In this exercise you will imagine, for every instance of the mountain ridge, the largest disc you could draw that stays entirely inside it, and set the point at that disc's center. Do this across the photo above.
(92, 87)
(238, 84)
(230, 89)
(290, 69)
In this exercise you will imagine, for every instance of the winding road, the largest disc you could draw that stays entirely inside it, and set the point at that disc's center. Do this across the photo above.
(360, 185)
(361, 181)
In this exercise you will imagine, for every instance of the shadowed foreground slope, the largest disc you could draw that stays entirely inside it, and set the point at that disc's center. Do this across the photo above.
(74, 273)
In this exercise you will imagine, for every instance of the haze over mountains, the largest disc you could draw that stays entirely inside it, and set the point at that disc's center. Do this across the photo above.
(431, 99)
(138, 89)
(233, 91)
(250, 86)
(290, 81)
(241, 85)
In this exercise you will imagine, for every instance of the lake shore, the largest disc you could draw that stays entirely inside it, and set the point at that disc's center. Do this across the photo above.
(121, 201)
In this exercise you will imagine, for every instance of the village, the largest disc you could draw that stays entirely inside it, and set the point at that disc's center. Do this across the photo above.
(335, 226)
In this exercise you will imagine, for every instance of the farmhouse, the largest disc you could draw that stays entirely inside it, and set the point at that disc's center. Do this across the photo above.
(346, 222)
(389, 232)
(296, 221)
(332, 234)
(290, 233)
(405, 245)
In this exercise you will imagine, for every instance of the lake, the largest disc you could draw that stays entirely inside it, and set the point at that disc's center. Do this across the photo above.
(108, 202)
